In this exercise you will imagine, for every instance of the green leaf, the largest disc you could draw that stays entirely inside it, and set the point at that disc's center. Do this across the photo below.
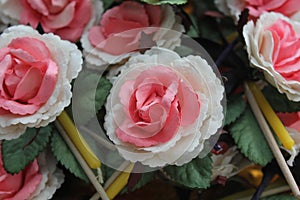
(279, 102)
(146, 178)
(63, 154)
(89, 98)
(102, 92)
(107, 3)
(160, 2)
(18, 153)
(195, 174)
(235, 107)
(250, 139)
(280, 197)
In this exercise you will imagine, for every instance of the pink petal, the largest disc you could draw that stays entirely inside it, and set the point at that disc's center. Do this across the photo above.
(123, 25)
(157, 113)
(122, 41)
(146, 88)
(71, 34)
(59, 3)
(163, 74)
(22, 55)
(3, 52)
(11, 82)
(20, 70)
(189, 104)
(29, 15)
(288, 118)
(168, 131)
(56, 6)
(47, 86)
(33, 46)
(3, 112)
(60, 20)
(29, 85)
(140, 129)
(288, 68)
(126, 92)
(139, 142)
(267, 5)
(289, 7)
(5, 64)
(39, 6)
(171, 126)
(82, 14)
(170, 94)
(95, 36)
(17, 108)
(111, 13)
(135, 12)
(154, 14)
(10, 184)
(32, 179)
(293, 76)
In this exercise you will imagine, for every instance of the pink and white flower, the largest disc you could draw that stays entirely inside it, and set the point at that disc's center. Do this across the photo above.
(52, 177)
(36, 71)
(162, 108)
(289, 8)
(66, 18)
(119, 32)
(273, 47)
(39, 180)
(21, 185)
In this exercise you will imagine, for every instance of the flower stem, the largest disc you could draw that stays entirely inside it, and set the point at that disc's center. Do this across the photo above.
(226, 51)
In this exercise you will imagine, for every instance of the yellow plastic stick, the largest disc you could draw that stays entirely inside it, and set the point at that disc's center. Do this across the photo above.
(115, 188)
(271, 117)
(78, 141)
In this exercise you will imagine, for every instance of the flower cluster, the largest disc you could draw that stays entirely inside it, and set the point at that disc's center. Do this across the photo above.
(162, 102)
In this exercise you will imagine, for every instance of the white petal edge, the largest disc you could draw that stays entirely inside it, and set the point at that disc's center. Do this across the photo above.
(253, 36)
(163, 38)
(68, 58)
(52, 177)
(161, 157)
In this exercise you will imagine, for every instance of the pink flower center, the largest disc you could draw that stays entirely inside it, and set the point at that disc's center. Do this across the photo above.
(286, 50)
(28, 76)
(159, 103)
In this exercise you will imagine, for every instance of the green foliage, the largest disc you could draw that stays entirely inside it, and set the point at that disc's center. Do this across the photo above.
(107, 3)
(145, 178)
(279, 102)
(195, 174)
(250, 139)
(89, 99)
(18, 153)
(160, 2)
(235, 107)
(63, 154)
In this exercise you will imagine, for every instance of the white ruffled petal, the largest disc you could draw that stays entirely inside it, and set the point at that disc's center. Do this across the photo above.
(261, 57)
(52, 177)
(69, 60)
(229, 163)
(189, 141)
(168, 36)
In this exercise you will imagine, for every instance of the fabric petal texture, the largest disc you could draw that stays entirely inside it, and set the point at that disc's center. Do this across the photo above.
(266, 41)
(100, 41)
(178, 91)
(68, 19)
(40, 86)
